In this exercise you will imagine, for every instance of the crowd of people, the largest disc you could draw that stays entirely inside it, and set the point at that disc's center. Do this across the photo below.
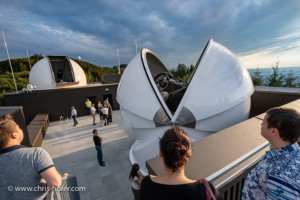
(104, 110)
(276, 176)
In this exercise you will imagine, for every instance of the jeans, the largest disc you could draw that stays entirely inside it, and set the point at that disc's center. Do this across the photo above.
(99, 154)
(106, 121)
(94, 118)
(101, 115)
(75, 121)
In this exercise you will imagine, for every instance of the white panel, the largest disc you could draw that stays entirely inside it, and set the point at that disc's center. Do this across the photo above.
(219, 83)
(225, 119)
(196, 134)
(136, 121)
(135, 93)
(78, 73)
(41, 75)
(146, 147)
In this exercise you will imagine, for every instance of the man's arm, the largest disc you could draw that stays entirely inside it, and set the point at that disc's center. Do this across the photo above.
(52, 177)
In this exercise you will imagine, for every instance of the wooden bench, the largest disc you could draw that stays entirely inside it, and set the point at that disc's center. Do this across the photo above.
(37, 129)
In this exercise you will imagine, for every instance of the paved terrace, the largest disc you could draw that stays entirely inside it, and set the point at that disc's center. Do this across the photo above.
(72, 150)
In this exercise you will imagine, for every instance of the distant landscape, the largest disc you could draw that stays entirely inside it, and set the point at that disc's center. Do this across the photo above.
(273, 76)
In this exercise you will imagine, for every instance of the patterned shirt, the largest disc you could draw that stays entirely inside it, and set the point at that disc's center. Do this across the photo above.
(277, 175)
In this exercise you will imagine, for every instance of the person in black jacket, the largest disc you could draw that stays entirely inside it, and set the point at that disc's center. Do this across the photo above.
(175, 149)
(98, 141)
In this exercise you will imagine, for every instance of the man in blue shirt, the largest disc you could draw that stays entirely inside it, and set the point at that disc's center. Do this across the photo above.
(74, 115)
(277, 175)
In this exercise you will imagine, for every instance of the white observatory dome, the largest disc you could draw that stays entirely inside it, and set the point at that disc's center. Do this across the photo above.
(216, 96)
(53, 72)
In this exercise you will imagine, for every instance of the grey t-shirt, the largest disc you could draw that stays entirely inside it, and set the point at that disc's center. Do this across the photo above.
(20, 167)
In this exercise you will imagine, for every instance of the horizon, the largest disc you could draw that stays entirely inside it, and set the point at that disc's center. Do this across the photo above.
(168, 68)
(258, 32)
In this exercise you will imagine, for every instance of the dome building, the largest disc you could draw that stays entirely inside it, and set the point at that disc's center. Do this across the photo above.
(54, 72)
(216, 96)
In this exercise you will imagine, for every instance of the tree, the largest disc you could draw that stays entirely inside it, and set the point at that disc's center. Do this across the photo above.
(290, 80)
(257, 78)
(276, 79)
(191, 69)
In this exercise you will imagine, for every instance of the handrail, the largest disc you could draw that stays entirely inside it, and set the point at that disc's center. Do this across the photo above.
(223, 183)
(67, 182)
(235, 163)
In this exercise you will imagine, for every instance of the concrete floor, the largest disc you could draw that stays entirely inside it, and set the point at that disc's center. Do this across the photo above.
(72, 150)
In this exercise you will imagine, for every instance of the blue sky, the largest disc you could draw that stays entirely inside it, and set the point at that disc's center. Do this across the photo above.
(257, 31)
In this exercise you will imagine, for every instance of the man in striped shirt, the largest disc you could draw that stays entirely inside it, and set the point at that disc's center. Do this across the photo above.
(277, 175)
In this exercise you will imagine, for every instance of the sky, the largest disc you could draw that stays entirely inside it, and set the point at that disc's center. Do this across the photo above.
(258, 31)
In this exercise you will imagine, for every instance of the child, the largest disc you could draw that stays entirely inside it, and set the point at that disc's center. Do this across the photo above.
(136, 178)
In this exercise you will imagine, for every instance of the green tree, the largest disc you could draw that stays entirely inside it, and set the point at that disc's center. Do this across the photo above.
(257, 78)
(191, 69)
(276, 79)
(181, 70)
(290, 80)
(186, 77)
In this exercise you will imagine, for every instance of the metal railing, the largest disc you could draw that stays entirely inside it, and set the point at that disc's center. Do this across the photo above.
(65, 192)
(231, 187)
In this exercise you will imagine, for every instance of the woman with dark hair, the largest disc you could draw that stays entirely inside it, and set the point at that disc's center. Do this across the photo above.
(175, 148)
(136, 178)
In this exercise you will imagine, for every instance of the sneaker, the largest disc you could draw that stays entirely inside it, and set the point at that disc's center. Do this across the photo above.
(103, 162)
(102, 165)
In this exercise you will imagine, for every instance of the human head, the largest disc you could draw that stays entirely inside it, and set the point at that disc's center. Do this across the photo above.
(175, 148)
(286, 121)
(134, 169)
(72, 107)
(95, 132)
(9, 130)
(87, 99)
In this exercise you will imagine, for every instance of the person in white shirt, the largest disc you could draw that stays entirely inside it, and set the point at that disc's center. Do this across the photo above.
(74, 115)
(136, 178)
(100, 106)
(105, 115)
(93, 113)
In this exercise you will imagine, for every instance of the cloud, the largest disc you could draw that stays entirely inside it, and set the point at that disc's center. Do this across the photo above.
(176, 30)
(266, 56)
(289, 36)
